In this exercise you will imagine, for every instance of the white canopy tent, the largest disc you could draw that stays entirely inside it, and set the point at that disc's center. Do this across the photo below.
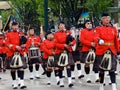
(4, 5)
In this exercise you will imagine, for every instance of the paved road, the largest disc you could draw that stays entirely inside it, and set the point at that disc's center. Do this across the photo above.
(40, 84)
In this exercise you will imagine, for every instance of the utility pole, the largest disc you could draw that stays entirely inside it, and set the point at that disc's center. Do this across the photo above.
(45, 15)
(116, 13)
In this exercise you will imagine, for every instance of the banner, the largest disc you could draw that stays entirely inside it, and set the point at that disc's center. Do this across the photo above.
(8, 25)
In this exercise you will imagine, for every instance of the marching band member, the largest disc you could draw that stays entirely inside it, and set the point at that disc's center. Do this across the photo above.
(88, 39)
(106, 50)
(33, 41)
(16, 63)
(61, 38)
(3, 50)
(49, 47)
(76, 54)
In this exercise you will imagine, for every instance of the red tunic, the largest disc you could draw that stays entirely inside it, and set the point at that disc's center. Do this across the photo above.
(3, 48)
(35, 39)
(60, 38)
(49, 48)
(13, 39)
(86, 38)
(109, 35)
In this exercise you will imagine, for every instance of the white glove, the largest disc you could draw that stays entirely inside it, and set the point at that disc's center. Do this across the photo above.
(101, 42)
(118, 56)
(18, 48)
(10, 45)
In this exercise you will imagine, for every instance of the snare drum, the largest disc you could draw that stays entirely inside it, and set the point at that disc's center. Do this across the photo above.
(34, 52)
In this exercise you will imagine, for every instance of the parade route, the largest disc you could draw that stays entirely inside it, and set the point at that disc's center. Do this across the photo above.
(40, 84)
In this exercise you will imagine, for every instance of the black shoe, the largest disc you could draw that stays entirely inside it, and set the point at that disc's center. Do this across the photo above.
(22, 87)
(73, 77)
(0, 78)
(63, 76)
(61, 85)
(31, 78)
(37, 77)
(81, 76)
(4, 70)
(44, 73)
(110, 83)
(58, 82)
(98, 80)
(104, 84)
(15, 87)
(88, 81)
(70, 85)
(48, 83)
(18, 84)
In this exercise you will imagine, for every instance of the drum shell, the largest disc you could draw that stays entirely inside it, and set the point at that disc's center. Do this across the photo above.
(33, 53)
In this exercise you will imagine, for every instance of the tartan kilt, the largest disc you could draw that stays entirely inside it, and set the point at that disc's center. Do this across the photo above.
(9, 59)
(76, 56)
(83, 56)
(34, 60)
(98, 60)
(70, 59)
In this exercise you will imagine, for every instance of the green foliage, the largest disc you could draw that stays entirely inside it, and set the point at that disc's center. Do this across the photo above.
(97, 6)
(70, 9)
(31, 12)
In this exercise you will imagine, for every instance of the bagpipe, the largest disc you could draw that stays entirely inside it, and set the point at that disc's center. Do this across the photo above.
(23, 39)
(76, 35)
(64, 57)
(16, 61)
(34, 52)
(106, 63)
(90, 58)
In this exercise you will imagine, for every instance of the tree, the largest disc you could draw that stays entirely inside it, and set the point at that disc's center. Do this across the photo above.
(29, 12)
(69, 9)
(95, 7)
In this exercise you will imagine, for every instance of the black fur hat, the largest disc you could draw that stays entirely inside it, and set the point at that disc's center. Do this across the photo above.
(14, 23)
(86, 21)
(47, 34)
(104, 14)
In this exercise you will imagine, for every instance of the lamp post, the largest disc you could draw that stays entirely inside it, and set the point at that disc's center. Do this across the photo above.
(45, 15)
(116, 13)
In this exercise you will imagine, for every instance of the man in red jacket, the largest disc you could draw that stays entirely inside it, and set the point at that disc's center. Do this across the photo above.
(33, 41)
(49, 47)
(88, 38)
(61, 38)
(3, 51)
(13, 43)
(107, 43)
